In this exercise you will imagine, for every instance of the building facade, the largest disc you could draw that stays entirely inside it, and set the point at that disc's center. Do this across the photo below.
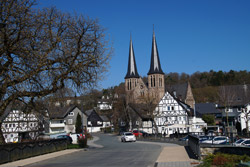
(18, 125)
(153, 106)
(137, 91)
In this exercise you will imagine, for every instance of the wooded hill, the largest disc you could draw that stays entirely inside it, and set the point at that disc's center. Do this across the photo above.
(205, 84)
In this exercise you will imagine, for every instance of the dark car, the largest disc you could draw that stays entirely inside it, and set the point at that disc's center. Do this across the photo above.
(69, 139)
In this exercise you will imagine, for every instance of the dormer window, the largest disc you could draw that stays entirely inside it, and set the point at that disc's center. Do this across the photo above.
(71, 114)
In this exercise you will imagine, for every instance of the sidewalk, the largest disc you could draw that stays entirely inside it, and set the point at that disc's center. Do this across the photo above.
(174, 156)
(35, 159)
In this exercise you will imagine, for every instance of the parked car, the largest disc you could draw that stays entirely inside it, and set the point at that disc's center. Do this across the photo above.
(242, 142)
(69, 139)
(144, 134)
(136, 133)
(128, 136)
(203, 138)
(217, 140)
(184, 138)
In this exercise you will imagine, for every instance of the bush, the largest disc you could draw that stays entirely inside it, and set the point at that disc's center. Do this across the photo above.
(89, 136)
(223, 160)
(82, 142)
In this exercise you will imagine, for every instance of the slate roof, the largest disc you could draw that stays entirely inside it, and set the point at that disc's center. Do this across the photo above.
(60, 112)
(179, 89)
(88, 112)
(104, 118)
(206, 108)
(132, 69)
(141, 110)
(155, 65)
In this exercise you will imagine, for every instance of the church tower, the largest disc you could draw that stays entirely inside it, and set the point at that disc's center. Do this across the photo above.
(156, 83)
(132, 76)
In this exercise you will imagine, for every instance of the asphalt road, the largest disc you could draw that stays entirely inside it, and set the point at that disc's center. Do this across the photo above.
(113, 154)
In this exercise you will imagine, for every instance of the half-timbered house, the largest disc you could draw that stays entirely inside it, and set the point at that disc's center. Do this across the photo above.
(18, 125)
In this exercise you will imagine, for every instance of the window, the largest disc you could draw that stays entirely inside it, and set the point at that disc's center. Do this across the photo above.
(71, 114)
(70, 121)
(172, 107)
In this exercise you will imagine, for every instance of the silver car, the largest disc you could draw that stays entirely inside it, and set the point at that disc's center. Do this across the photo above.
(128, 136)
(242, 142)
(217, 140)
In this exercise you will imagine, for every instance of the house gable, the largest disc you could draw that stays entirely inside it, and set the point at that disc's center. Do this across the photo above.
(94, 119)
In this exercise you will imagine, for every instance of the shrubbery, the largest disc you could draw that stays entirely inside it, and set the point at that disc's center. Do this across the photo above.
(224, 160)
(82, 142)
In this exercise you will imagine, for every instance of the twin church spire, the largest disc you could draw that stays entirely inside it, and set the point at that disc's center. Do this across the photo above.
(132, 69)
(155, 65)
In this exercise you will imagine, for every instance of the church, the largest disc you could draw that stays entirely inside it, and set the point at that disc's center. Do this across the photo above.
(154, 106)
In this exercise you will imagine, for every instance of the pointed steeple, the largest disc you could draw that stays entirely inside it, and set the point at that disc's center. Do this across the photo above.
(155, 66)
(132, 70)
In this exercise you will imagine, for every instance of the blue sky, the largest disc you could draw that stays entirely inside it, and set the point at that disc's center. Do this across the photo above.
(192, 35)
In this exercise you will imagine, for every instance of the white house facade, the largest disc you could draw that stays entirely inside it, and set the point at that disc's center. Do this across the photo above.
(245, 117)
(17, 125)
(63, 119)
(170, 116)
(173, 116)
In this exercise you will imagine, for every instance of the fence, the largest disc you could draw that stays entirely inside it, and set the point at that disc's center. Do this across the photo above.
(194, 145)
(16, 151)
(163, 140)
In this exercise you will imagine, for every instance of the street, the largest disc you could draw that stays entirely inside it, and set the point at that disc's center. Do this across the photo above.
(114, 153)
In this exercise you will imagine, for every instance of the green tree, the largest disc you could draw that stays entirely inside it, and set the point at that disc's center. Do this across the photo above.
(209, 119)
(78, 124)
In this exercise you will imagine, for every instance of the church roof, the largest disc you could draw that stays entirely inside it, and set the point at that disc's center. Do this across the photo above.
(178, 90)
(155, 66)
(132, 69)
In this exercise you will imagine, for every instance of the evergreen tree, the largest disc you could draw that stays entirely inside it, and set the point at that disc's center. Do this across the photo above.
(209, 119)
(78, 123)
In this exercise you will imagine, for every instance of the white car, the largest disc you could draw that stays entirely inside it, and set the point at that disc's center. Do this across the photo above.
(217, 140)
(128, 136)
(242, 142)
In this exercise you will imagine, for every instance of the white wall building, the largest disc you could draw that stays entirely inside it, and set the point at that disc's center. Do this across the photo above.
(18, 125)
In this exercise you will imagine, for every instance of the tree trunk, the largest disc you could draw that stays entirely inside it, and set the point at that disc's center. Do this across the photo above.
(2, 140)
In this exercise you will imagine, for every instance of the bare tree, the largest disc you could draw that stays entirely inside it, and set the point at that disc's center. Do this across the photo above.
(226, 98)
(149, 109)
(43, 51)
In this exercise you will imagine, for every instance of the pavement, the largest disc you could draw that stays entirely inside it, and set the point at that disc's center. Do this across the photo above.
(171, 155)
(175, 156)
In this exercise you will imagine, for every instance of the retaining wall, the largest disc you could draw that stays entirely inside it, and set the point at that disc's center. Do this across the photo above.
(16, 151)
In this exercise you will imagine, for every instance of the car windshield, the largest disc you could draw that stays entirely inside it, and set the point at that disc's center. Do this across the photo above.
(128, 134)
